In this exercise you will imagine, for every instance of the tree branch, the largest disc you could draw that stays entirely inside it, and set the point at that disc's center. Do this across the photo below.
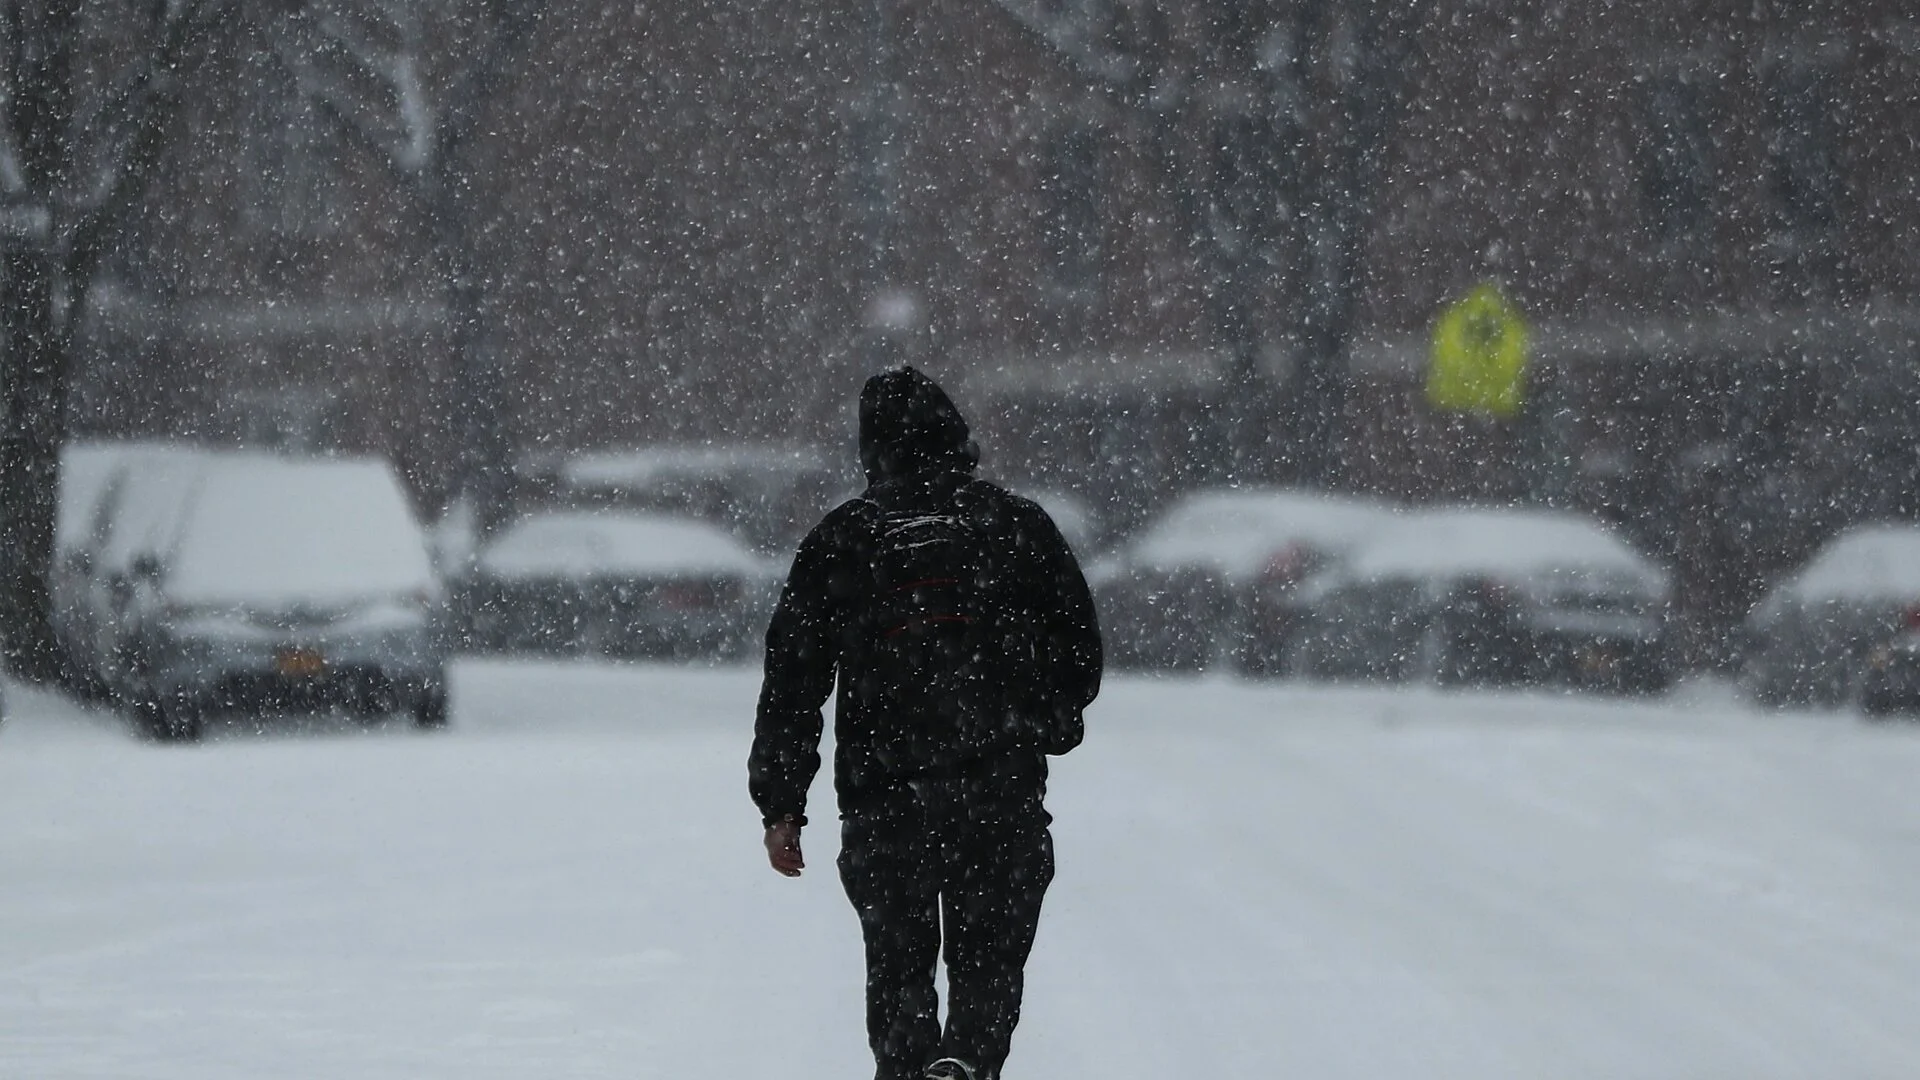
(1074, 35)
(342, 50)
(513, 22)
(153, 101)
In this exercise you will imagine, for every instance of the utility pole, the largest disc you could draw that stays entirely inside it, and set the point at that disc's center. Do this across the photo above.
(1361, 52)
(889, 309)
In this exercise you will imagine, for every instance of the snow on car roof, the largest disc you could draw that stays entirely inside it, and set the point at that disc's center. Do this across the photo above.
(274, 530)
(87, 472)
(1070, 514)
(652, 465)
(1235, 531)
(151, 497)
(1496, 540)
(1865, 562)
(582, 543)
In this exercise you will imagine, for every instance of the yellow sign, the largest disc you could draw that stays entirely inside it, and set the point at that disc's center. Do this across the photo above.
(1479, 361)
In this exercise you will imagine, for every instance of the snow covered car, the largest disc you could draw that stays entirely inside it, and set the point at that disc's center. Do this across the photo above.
(768, 495)
(611, 582)
(1491, 595)
(281, 583)
(1890, 682)
(1807, 639)
(1215, 573)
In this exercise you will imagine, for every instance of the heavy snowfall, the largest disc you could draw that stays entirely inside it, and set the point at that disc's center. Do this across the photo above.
(1255, 880)
(1489, 430)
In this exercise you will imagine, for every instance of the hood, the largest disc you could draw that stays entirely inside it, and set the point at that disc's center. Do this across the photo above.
(909, 425)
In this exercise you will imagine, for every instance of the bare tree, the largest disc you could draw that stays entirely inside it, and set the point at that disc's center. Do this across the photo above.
(410, 83)
(90, 94)
(1360, 50)
(1270, 120)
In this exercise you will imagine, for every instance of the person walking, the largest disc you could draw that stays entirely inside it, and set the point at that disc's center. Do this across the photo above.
(962, 636)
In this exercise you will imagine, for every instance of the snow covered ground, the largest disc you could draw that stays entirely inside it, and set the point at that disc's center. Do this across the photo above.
(1255, 881)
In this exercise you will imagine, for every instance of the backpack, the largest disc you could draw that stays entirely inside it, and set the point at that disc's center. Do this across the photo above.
(947, 650)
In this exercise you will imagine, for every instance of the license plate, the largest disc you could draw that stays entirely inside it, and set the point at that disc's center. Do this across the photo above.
(300, 663)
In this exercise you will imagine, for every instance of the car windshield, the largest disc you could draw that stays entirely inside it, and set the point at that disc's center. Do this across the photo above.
(585, 543)
(1502, 543)
(1863, 564)
(150, 496)
(321, 533)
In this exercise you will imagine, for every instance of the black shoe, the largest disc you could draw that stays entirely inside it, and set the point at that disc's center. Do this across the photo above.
(951, 1069)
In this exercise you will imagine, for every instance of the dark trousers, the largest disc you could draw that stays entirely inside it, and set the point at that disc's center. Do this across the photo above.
(929, 872)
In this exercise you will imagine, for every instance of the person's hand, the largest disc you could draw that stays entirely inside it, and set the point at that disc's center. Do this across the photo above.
(783, 848)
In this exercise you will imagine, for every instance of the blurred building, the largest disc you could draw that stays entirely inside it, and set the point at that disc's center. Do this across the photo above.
(710, 219)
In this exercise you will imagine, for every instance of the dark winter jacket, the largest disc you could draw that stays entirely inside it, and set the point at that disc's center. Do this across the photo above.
(1025, 689)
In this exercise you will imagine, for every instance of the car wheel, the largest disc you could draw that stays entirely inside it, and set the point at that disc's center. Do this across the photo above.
(1188, 655)
(1302, 658)
(1263, 654)
(1880, 698)
(430, 710)
(77, 679)
(1123, 653)
(1769, 690)
(1651, 678)
(168, 719)
(1436, 659)
(375, 701)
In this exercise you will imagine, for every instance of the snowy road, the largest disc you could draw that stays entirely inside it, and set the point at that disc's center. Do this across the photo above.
(1255, 882)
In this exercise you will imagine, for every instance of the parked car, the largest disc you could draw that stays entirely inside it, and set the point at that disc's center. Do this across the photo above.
(1807, 640)
(1214, 575)
(1890, 682)
(612, 582)
(1491, 595)
(276, 583)
(768, 495)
